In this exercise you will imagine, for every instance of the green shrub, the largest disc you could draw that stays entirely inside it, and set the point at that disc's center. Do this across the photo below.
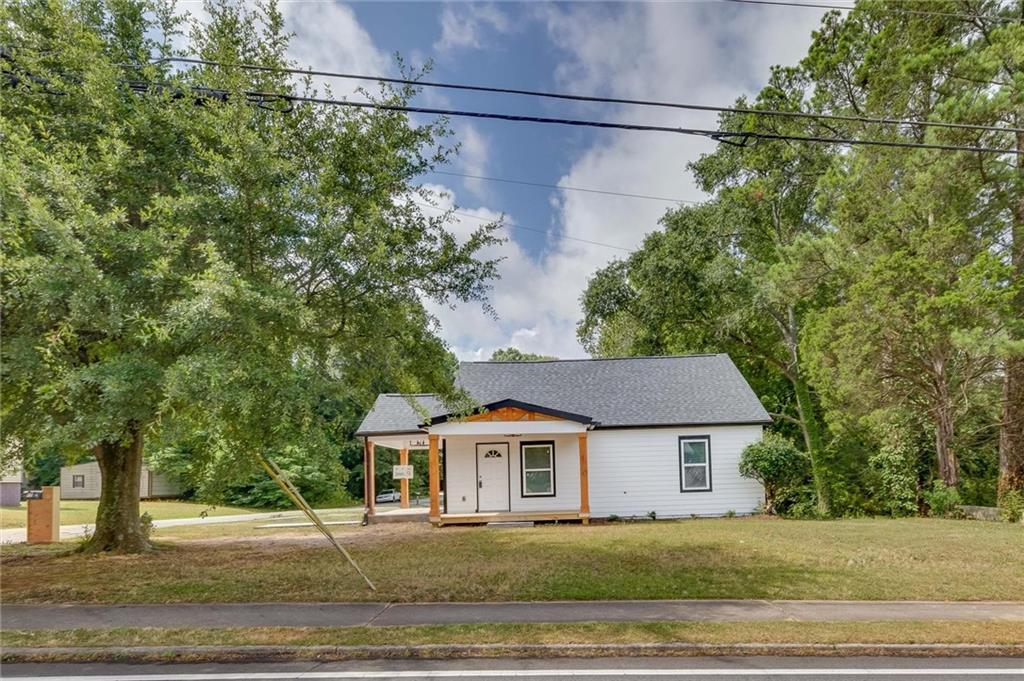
(777, 464)
(897, 478)
(146, 523)
(1011, 506)
(942, 499)
(800, 503)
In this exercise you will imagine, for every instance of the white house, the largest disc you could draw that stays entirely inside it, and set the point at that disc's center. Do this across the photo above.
(82, 481)
(580, 439)
(11, 479)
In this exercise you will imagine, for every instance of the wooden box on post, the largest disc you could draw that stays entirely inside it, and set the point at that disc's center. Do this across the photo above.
(44, 517)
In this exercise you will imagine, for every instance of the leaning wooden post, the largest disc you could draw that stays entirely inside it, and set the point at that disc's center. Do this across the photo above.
(403, 459)
(584, 480)
(434, 470)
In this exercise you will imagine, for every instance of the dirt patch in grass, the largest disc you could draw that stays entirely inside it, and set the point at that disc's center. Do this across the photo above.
(870, 559)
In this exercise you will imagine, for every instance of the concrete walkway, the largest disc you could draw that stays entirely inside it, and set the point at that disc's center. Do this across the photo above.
(17, 535)
(390, 614)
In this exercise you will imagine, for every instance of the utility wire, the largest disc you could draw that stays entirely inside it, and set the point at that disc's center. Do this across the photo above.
(889, 10)
(562, 186)
(524, 227)
(592, 98)
(282, 102)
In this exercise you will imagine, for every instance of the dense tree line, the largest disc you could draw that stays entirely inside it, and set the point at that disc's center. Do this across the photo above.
(874, 296)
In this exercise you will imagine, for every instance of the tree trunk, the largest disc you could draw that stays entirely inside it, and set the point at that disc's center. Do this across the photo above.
(943, 449)
(813, 441)
(117, 518)
(809, 423)
(1011, 434)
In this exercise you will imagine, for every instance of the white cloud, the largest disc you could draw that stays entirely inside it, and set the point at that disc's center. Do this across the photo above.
(464, 25)
(328, 37)
(474, 153)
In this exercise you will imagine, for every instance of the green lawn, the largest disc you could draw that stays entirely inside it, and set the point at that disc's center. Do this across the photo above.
(78, 512)
(721, 558)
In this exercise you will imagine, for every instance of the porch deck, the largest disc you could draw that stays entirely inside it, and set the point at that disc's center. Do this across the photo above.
(513, 516)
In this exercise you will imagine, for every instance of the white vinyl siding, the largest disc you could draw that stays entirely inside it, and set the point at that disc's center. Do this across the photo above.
(637, 470)
(460, 469)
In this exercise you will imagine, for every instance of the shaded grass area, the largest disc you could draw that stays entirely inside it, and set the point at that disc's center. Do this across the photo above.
(80, 512)
(863, 559)
(998, 633)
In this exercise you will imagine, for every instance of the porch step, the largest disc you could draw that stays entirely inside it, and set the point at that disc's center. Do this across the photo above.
(510, 523)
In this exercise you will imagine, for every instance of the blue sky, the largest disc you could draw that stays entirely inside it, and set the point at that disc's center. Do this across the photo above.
(702, 52)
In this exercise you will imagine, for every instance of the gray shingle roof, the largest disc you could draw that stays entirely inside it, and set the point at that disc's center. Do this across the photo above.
(634, 391)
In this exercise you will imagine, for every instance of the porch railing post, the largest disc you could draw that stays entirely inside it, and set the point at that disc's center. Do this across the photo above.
(584, 480)
(403, 459)
(371, 481)
(434, 468)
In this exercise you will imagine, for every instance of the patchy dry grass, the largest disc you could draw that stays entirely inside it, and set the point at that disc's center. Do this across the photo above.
(869, 559)
(997, 633)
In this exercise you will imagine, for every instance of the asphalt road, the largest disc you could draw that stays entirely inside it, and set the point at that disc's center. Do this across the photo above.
(633, 669)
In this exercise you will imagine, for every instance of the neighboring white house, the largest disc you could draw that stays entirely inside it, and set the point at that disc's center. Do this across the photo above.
(82, 481)
(10, 484)
(581, 439)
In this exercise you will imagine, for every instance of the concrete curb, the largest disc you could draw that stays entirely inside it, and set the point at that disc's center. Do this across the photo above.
(441, 651)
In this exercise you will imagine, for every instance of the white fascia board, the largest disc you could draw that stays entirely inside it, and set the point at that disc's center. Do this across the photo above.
(505, 427)
(401, 442)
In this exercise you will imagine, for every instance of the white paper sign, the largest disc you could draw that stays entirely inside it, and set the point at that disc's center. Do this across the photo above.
(402, 472)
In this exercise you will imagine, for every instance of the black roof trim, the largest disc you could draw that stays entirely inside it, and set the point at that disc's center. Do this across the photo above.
(590, 359)
(579, 418)
(699, 424)
(387, 433)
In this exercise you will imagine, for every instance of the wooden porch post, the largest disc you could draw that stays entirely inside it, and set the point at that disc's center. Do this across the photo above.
(584, 480)
(371, 483)
(403, 459)
(434, 467)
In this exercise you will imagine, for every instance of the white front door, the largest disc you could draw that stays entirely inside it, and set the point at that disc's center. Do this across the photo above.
(492, 476)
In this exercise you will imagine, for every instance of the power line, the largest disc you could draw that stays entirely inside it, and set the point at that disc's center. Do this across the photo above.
(273, 101)
(889, 10)
(562, 186)
(524, 227)
(283, 103)
(593, 98)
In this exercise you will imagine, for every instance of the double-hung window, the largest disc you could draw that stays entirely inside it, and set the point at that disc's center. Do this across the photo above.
(537, 462)
(78, 481)
(695, 463)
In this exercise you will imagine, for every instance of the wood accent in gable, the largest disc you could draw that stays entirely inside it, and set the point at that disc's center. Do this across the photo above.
(511, 414)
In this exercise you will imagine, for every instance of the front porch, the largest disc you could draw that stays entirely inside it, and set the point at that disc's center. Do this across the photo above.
(509, 462)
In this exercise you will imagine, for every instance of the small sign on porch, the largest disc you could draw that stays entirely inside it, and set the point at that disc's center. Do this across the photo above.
(399, 472)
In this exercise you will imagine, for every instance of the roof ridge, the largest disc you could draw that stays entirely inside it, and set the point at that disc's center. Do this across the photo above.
(594, 359)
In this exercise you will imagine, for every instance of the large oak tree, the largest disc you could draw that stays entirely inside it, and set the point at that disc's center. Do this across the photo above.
(210, 268)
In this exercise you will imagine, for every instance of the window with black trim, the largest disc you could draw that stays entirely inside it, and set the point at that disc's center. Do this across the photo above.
(695, 463)
(537, 463)
(78, 481)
